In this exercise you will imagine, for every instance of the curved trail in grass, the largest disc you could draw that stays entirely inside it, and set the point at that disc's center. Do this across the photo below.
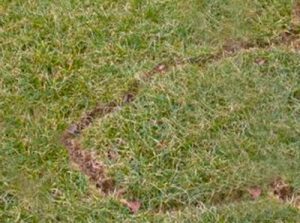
(95, 169)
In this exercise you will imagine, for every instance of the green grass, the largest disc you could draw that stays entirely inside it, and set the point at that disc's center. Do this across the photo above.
(193, 142)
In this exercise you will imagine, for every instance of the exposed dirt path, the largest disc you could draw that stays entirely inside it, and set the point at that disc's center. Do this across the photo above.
(95, 169)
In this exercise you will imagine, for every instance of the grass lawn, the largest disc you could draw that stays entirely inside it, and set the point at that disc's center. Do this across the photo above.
(191, 145)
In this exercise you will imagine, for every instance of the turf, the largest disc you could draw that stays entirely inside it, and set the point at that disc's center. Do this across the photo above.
(190, 145)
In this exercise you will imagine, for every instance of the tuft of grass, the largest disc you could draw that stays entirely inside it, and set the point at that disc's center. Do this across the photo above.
(189, 146)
